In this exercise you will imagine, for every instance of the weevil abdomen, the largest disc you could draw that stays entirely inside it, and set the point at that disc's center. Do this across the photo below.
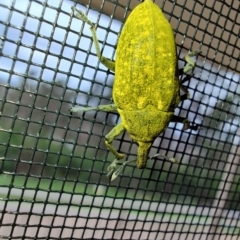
(146, 61)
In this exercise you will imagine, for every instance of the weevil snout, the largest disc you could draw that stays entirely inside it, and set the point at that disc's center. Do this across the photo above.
(143, 150)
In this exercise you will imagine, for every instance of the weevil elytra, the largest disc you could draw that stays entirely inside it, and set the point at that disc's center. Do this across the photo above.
(146, 88)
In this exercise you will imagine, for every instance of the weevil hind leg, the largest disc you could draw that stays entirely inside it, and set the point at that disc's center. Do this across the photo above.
(186, 94)
(117, 130)
(104, 108)
(190, 63)
(82, 16)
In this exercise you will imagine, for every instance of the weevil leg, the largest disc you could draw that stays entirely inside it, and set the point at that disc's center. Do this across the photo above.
(186, 124)
(186, 94)
(190, 63)
(114, 173)
(104, 108)
(82, 16)
(108, 141)
(187, 78)
(117, 130)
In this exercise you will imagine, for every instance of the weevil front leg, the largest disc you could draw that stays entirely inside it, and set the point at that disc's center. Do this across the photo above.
(108, 141)
(104, 108)
(106, 62)
(116, 172)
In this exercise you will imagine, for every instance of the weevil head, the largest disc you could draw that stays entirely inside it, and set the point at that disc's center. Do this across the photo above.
(142, 157)
(144, 126)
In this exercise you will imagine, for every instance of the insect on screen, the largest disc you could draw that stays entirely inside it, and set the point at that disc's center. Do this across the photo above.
(54, 161)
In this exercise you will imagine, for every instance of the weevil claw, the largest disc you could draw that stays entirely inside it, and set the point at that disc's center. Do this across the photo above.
(113, 171)
(116, 173)
(173, 160)
(110, 172)
(113, 165)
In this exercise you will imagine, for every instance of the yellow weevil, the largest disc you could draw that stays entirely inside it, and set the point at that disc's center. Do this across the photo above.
(146, 88)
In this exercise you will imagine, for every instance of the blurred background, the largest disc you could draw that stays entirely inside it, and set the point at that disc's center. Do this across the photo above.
(53, 165)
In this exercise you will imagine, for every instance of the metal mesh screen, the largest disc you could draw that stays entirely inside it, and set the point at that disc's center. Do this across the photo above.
(53, 182)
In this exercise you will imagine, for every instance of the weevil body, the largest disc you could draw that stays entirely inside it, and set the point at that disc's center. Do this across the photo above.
(146, 88)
